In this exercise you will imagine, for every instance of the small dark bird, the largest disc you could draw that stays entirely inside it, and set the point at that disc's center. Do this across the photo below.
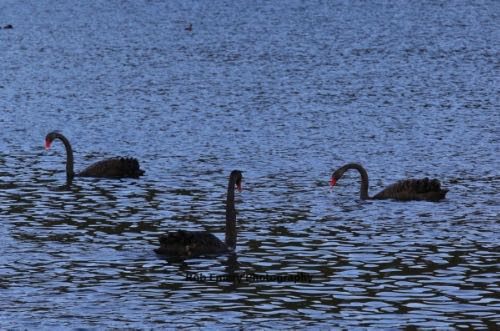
(8, 26)
(403, 190)
(185, 244)
(116, 167)
(189, 27)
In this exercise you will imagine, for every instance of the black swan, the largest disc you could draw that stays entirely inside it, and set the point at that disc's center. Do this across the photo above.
(189, 27)
(185, 244)
(117, 167)
(404, 190)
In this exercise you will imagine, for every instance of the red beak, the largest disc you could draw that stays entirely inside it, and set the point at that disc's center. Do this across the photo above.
(333, 181)
(239, 187)
(47, 144)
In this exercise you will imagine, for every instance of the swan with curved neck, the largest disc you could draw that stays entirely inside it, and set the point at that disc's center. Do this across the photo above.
(403, 190)
(185, 244)
(117, 167)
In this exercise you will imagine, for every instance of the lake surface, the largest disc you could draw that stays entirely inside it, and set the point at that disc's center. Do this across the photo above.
(286, 91)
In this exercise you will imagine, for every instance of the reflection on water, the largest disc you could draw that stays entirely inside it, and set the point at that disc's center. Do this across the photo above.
(287, 94)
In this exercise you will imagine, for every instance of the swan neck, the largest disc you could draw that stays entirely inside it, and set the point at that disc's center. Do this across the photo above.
(231, 215)
(69, 159)
(363, 192)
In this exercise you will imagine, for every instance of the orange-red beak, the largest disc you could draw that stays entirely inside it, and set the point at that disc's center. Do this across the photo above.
(47, 144)
(239, 187)
(333, 181)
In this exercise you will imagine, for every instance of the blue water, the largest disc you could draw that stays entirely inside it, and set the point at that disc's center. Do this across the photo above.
(286, 91)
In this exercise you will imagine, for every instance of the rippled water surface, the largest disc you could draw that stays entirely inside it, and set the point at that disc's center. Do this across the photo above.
(286, 91)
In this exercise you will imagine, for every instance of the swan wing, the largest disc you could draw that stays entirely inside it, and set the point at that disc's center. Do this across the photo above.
(117, 167)
(413, 189)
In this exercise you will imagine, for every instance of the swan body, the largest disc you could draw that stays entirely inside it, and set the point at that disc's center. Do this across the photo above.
(403, 190)
(186, 244)
(117, 167)
(191, 243)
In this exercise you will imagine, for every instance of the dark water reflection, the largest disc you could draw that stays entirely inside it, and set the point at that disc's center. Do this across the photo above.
(286, 93)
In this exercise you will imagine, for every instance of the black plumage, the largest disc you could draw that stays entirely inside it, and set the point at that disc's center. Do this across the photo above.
(190, 244)
(116, 167)
(186, 244)
(403, 190)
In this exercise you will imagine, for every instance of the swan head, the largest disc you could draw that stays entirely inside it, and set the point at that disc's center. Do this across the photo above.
(336, 176)
(49, 138)
(237, 176)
